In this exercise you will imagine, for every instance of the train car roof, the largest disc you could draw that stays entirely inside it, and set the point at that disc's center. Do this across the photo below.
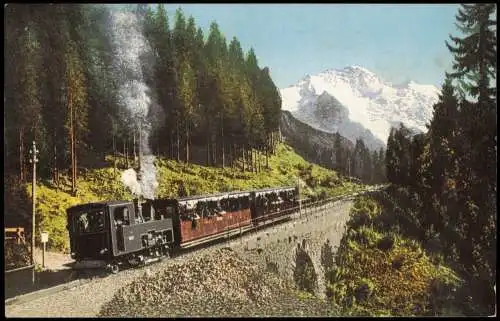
(191, 201)
(273, 190)
(215, 196)
(96, 204)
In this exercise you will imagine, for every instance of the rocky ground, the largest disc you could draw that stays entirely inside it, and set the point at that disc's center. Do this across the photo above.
(220, 284)
(251, 276)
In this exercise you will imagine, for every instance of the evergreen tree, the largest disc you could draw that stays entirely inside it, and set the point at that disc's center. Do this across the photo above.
(77, 105)
(374, 177)
(339, 153)
(475, 69)
(381, 166)
(390, 157)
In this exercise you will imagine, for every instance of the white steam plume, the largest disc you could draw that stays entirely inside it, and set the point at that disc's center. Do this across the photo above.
(134, 95)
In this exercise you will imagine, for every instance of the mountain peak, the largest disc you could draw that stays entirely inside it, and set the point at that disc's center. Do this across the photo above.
(358, 68)
(348, 69)
(372, 103)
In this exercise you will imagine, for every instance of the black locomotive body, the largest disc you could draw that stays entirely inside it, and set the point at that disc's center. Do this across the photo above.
(123, 232)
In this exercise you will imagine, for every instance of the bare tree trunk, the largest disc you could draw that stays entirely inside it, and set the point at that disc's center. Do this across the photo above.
(135, 154)
(208, 150)
(123, 154)
(54, 168)
(260, 161)
(114, 154)
(272, 142)
(235, 155)
(171, 145)
(126, 152)
(21, 156)
(256, 160)
(178, 141)
(243, 158)
(267, 156)
(231, 156)
(214, 152)
(249, 157)
(187, 142)
(76, 163)
(72, 138)
(222, 140)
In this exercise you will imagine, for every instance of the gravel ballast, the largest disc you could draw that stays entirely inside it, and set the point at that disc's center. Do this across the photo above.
(219, 284)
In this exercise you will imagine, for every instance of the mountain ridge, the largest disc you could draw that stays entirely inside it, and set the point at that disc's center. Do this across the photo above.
(362, 105)
(315, 146)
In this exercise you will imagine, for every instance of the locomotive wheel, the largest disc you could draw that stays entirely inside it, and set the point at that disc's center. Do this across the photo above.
(114, 268)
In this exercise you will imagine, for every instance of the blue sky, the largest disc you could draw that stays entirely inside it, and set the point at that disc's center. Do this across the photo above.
(397, 42)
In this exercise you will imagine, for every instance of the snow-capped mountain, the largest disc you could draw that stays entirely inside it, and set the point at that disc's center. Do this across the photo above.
(358, 104)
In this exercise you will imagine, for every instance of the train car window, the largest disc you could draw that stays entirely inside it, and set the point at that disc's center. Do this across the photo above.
(121, 216)
(165, 212)
(235, 204)
(91, 222)
(184, 214)
(244, 202)
(228, 205)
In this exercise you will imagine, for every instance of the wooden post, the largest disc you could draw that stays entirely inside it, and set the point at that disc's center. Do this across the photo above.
(33, 160)
(44, 239)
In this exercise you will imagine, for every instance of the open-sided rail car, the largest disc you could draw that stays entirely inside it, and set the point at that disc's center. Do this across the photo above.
(273, 202)
(205, 216)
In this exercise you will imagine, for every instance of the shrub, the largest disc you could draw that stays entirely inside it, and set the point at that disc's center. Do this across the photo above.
(327, 257)
(386, 243)
(367, 236)
(16, 255)
(397, 262)
(304, 273)
(364, 290)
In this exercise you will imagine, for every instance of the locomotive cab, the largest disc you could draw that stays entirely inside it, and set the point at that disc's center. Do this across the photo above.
(117, 231)
(88, 227)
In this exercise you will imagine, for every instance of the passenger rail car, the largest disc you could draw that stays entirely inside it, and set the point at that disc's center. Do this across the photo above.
(114, 233)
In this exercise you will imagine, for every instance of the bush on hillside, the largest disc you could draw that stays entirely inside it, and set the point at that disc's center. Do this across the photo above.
(16, 255)
(386, 243)
(386, 273)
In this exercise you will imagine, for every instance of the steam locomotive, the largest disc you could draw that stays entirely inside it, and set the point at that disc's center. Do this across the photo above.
(116, 233)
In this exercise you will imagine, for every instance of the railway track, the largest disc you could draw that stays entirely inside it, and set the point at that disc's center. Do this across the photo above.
(306, 208)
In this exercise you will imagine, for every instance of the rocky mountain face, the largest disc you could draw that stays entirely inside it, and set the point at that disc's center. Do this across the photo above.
(314, 145)
(358, 104)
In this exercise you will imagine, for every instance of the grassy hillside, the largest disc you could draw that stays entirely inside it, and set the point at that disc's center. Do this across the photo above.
(381, 270)
(105, 184)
